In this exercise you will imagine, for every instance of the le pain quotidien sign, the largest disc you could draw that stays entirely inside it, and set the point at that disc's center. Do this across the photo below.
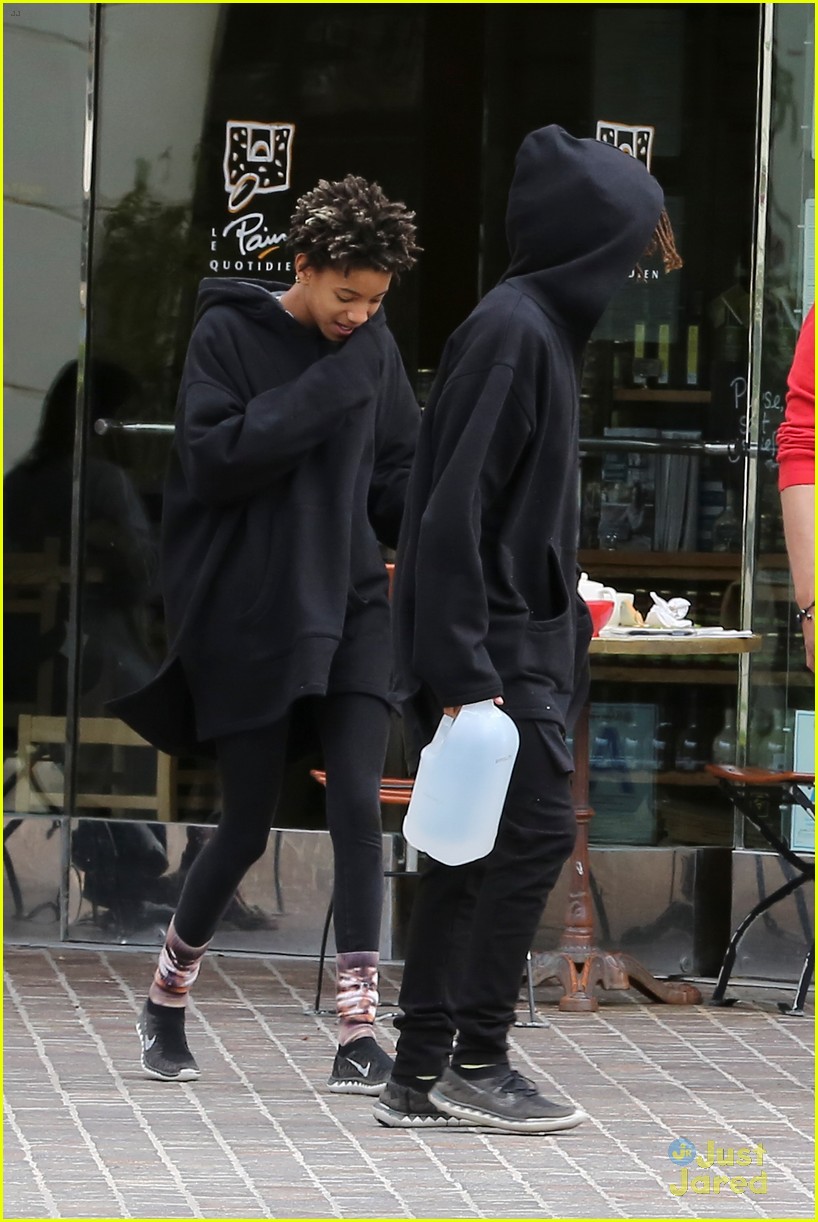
(257, 164)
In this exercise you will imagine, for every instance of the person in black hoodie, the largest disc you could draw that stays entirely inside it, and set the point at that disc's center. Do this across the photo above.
(485, 606)
(295, 430)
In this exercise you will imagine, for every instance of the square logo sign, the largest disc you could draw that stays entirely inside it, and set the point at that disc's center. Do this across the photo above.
(636, 139)
(257, 159)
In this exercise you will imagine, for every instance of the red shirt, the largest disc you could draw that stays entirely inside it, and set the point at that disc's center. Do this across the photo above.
(795, 439)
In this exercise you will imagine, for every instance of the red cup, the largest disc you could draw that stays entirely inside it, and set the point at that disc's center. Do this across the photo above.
(601, 611)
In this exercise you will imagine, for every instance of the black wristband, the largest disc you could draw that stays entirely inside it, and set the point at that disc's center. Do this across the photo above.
(804, 612)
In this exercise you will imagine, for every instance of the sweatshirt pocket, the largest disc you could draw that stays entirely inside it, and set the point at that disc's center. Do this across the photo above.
(547, 646)
(547, 652)
(545, 590)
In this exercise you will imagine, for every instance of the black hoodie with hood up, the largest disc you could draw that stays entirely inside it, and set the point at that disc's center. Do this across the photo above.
(290, 460)
(485, 600)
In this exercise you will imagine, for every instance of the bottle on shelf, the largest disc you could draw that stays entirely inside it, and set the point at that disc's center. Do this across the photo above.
(775, 748)
(723, 750)
(663, 747)
(712, 503)
(633, 747)
(638, 375)
(693, 344)
(664, 354)
(727, 526)
(690, 753)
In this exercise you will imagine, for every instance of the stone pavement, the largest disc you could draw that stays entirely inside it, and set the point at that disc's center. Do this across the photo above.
(259, 1136)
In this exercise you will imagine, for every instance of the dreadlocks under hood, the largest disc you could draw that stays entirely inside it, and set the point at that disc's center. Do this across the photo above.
(580, 214)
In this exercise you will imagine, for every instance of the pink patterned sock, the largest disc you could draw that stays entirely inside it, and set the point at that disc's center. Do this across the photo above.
(176, 971)
(356, 996)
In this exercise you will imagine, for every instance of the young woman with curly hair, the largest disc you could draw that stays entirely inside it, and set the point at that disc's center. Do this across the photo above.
(295, 431)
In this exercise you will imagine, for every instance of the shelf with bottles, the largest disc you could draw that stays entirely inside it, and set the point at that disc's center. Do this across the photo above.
(648, 756)
(664, 740)
(656, 511)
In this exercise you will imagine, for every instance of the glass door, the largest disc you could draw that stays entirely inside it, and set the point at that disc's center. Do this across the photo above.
(664, 401)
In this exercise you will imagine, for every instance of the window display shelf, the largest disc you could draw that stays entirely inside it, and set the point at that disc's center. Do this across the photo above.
(644, 776)
(686, 674)
(639, 395)
(683, 674)
(604, 565)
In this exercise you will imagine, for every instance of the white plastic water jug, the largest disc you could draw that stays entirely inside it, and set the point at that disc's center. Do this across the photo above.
(461, 784)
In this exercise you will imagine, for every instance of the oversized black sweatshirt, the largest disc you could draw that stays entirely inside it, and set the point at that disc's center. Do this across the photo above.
(290, 461)
(485, 601)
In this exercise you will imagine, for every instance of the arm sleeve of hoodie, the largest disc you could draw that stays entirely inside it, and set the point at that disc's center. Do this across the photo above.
(231, 449)
(396, 433)
(795, 439)
(480, 431)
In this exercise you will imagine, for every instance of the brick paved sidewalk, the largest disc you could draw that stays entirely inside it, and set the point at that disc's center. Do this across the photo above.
(259, 1136)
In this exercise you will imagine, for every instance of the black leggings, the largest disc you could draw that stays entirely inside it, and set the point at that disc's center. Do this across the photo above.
(353, 730)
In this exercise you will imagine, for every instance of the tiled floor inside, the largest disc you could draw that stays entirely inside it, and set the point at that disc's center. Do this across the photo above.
(259, 1136)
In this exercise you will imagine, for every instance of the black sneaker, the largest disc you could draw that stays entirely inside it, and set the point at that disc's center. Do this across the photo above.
(361, 1068)
(165, 1054)
(505, 1100)
(403, 1107)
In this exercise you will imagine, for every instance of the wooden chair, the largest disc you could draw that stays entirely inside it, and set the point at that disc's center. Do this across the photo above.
(759, 795)
(31, 588)
(36, 731)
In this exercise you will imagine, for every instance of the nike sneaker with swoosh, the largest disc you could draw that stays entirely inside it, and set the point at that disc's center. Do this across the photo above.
(165, 1054)
(361, 1068)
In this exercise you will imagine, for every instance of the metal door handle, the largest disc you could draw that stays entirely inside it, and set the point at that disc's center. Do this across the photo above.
(103, 427)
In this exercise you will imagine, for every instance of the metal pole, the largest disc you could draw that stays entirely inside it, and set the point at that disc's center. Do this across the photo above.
(76, 587)
(752, 431)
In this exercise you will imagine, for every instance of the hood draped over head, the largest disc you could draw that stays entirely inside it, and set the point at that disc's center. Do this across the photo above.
(251, 297)
(580, 214)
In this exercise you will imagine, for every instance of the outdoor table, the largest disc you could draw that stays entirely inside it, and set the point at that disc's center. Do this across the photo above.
(578, 964)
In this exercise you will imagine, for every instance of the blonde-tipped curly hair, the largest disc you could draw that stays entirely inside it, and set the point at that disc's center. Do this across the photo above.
(351, 223)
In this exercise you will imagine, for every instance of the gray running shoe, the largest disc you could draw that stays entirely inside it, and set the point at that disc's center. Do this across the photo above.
(403, 1107)
(361, 1068)
(165, 1054)
(505, 1100)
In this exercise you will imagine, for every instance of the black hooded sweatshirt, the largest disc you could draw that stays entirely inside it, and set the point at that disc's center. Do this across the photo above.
(290, 460)
(485, 600)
